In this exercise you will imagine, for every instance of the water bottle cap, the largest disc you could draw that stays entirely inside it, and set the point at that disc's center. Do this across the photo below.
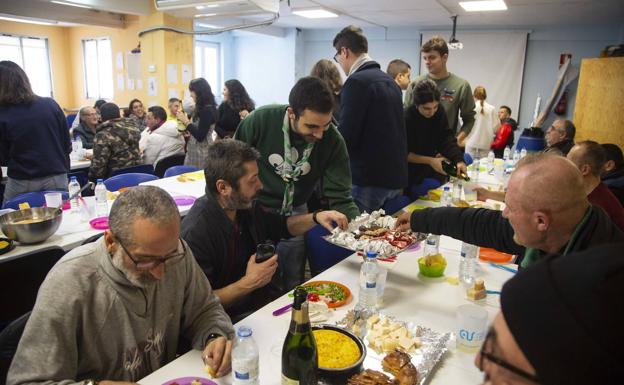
(99, 181)
(73, 179)
(447, 188)
(371, 254)
(244, 331)
(431, 241)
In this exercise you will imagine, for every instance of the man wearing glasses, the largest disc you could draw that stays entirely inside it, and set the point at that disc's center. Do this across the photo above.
(560, 136)
(560, 323)
(117, 309)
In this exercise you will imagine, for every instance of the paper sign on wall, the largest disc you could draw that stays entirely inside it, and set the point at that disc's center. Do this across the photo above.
(186, 74)
(172, 73)
(139, 84)
(134, 65)
(120, 82)
(152, 86)
(130, 83)
(119, 61)
(173, 93)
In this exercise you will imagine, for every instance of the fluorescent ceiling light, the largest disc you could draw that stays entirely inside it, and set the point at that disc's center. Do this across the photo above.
(480, 6)
(204, 25)
(27, 21)
(205, 15)
(70, 4)
(200, 7)
(317, 13)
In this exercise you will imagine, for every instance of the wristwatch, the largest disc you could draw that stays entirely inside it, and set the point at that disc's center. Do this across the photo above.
(90, 382)
(314, 216)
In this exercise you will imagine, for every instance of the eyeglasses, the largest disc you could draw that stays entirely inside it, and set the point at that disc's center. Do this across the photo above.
(502, 363)
(154, 261)
(337, 54)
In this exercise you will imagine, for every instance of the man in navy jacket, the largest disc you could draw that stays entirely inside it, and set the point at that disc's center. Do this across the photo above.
(371, 122)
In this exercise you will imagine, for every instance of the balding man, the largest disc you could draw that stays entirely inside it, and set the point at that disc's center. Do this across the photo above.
(590, 158)
(546, 212)
(560, 136)
(85, 130)
(117, 309)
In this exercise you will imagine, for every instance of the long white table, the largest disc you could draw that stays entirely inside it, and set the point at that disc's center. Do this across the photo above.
(430, 302)
(73, 166)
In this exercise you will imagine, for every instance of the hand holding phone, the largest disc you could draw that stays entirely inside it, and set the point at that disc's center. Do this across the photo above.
(264, 251)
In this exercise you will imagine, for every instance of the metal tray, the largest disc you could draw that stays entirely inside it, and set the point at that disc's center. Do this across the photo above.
(425, 358)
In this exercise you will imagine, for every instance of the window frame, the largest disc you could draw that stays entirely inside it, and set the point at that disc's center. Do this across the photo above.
(219, 71)
(46, 41)
(84, 67)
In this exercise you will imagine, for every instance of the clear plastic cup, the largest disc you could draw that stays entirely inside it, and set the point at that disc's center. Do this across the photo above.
(470, 194)
(54, 199)
(471, 327)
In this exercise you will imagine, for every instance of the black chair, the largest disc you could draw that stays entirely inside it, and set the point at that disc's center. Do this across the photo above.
(165, 163)
(9, 339)
(20, 279)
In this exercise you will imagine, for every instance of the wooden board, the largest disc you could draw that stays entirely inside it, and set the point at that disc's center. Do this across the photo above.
(599, 111)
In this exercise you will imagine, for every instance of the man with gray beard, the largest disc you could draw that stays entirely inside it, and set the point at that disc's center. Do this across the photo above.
(116, 309)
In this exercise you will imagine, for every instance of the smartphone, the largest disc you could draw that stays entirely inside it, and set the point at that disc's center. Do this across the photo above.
(264, 251)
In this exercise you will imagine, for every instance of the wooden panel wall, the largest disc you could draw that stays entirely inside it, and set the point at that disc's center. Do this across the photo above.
(599, 111)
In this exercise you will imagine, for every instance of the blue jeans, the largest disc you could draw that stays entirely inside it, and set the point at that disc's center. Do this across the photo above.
(291, 257)
(371, 198)
(15, 187)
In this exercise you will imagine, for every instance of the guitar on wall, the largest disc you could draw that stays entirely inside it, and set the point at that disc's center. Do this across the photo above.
(562, 105)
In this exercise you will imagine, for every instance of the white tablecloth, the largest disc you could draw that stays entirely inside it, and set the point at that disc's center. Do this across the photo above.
(408, 296)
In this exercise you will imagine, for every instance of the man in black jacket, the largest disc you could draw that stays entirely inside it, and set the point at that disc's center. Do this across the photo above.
(546, 212)
(371, 122)
(224, 227)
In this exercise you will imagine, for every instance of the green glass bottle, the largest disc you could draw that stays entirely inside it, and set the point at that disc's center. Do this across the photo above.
(451, 170)
(299, 355)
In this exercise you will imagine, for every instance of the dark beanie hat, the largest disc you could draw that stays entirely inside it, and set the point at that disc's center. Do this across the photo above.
(567, 315)
(109, 111)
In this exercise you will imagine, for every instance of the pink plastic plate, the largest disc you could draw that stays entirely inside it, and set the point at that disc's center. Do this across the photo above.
(189, 380)
(184, 200)
(100, 223)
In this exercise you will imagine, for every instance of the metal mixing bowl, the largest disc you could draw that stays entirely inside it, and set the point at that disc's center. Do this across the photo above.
(46, 221)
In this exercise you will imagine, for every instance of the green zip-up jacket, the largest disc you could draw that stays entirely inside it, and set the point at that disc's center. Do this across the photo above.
(328, 163)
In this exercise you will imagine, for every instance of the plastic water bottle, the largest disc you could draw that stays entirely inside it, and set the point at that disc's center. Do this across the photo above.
(73, 188)
(381, 284)
(516, 156)
(468, 264)
(101, 204)
(523, 153)
(369, 273)
(491, 160)
(245, 358)
(457, 191)
(446, 198)
(507, 154)
(432, 245)
(476, 163)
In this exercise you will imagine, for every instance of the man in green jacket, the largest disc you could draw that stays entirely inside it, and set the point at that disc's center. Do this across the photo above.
(300, 148)
(457, 98)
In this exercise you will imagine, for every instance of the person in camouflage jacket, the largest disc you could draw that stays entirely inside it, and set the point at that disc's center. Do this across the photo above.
(116, 143)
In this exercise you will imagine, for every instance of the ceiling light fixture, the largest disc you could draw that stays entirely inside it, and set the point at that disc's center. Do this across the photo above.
(29, 21)
(453, 42)
(200, 7)
(205, 15)
(70, 4)
(314, 13)
(482, 6)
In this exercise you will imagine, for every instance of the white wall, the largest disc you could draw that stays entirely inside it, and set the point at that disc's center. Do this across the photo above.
(266, 65)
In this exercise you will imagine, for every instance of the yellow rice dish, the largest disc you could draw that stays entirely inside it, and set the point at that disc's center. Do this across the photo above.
(335, 350)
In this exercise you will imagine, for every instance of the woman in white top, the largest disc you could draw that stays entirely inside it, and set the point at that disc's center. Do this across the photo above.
(484, 129)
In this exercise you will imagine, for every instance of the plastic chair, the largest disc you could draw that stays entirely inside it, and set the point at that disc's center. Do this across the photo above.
(322, 254)
(9, 339)
(467, 159)
(117, 182)
(177, 170)
(396, 204)
(34, 199)
(142, 168)
(20, 279)
(168, 162)
(70, 119)
(418, 190)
